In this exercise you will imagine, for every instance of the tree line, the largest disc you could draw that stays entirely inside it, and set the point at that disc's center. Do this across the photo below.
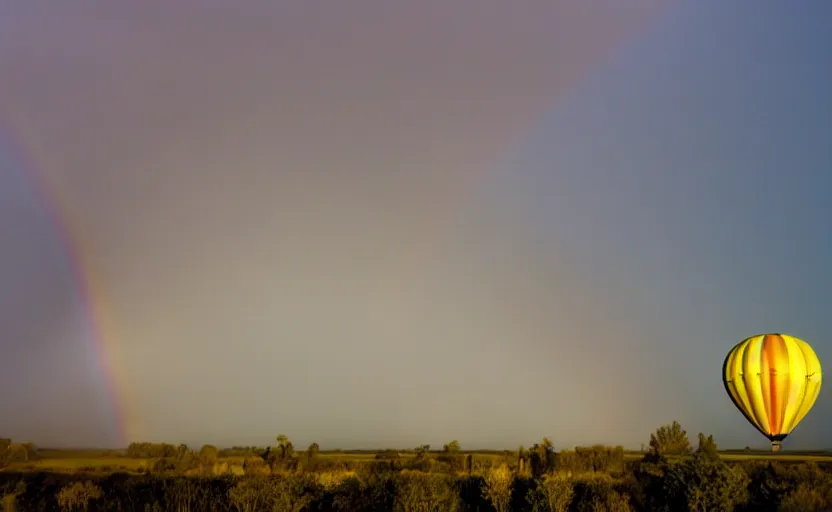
(671, 476)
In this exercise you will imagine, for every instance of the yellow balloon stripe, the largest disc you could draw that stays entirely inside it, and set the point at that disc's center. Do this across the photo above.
(753, 377)
(736, 386)
(774, 380)
(812, 381)
(797, 387)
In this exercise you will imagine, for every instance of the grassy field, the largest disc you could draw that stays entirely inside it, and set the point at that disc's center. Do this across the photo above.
(790, 457)
(81, 463)
(110, 461)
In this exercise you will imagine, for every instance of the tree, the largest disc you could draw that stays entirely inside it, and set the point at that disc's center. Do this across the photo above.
(699, 483)
(670, 440)
(284, 447)
(451, 455)
(522, 459)
(17, 452)
(78, 495)
(707, 448)
(803, 498)
(541, 457)
(5, 444)
(208, 454)
(452, 447)
(312, 452)
(422, 451)
(703, 484)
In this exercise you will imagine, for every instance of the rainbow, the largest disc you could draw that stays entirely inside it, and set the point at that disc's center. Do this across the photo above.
(89, 290)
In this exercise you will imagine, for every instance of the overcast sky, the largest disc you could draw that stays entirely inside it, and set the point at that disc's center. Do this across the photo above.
(374, 224)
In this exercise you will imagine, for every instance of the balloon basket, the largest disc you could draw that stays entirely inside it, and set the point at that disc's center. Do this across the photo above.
(775, 446)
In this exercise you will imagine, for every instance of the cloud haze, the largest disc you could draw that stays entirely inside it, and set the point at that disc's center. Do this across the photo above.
(369, 225)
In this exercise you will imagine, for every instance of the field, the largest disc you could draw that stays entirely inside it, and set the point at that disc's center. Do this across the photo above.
(674, 475)
(72, 461)
(104, 461)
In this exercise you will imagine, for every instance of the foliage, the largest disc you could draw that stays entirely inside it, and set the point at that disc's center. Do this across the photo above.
(706, 485)
(9, 495)
(540, 457)
(553, 494)
(497, 488)
(78, 495)
(670, 440)
(804, 499)
(151, 450)
(707, 447)
(242, 451)
(294, 493)
(418, 491)
(591, 459)
(252, 494)
(704, 482)
(388, 455)
(422, 451)
(452, 447)
(581, 479)
(208, 454)
(15, 452)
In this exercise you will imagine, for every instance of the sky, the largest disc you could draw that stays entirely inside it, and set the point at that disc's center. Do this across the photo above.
(376, 225)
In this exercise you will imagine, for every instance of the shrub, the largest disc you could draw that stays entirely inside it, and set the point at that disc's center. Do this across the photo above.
(184, 494)
(10, 494)
(702, 484)
(331, 481)
(599, 493)
(553, 494)
(497, 488)
(388, 455)
(803, 499)
(208, 454)
(452, 461)
(254, 465)
(591, 459)
(417, 491)
(78, 495)
(294, 493)
(165, 466)
(252, 494)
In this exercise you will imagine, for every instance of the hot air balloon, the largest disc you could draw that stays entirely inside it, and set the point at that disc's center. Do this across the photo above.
(773, 379)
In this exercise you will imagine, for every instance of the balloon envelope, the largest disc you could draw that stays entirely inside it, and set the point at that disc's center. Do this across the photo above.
(774, 380)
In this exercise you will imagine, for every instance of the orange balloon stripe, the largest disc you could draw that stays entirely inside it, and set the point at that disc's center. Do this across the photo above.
(774, 351)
